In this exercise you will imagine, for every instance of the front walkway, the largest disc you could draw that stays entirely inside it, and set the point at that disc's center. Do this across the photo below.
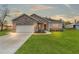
(10, 43)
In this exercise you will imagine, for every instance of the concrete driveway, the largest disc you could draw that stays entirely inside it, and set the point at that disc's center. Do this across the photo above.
(10, 43)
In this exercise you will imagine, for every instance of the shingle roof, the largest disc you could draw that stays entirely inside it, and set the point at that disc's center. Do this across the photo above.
(33, 18)
(38, 18)
(48, 19)
(44, 19)
(22, 16)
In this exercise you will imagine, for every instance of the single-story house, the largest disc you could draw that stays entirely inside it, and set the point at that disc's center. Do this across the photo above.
(35, 23)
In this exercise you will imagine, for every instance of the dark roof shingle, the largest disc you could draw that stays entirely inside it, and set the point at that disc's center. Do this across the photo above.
(38, 18)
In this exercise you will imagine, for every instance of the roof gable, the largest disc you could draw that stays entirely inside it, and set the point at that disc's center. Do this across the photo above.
(24, 20)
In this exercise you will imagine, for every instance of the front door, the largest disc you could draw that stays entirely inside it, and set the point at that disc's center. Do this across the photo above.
(45, 26)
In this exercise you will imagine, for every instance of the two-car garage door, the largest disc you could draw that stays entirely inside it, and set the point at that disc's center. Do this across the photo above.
(24, 28)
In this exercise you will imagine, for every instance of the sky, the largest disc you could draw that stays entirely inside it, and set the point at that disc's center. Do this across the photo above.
(67, 12)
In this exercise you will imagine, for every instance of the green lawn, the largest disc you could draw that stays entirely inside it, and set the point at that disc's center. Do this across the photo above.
(4, 32)
(66, 42)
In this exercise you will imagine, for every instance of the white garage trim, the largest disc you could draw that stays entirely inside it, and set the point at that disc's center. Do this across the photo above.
(24, 28)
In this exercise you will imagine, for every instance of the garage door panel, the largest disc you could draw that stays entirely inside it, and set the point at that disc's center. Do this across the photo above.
(25, 28)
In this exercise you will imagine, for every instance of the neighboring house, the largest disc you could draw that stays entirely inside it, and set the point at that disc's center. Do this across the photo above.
(35, 23)
(76, 25)
(69, 26)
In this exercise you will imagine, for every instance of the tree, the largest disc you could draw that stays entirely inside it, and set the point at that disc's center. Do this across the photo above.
(4, 14)
(5, 24)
